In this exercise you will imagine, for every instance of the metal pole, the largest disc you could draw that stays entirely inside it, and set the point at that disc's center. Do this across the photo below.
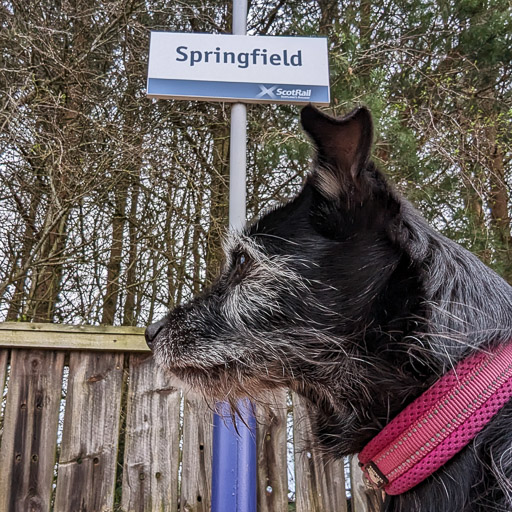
(237, 166)
(234, 448)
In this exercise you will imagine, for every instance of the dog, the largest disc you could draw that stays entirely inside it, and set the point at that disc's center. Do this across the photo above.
(348, 297)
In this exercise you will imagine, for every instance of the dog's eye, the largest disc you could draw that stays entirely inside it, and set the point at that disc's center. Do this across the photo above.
(241, 260)
(240, 266)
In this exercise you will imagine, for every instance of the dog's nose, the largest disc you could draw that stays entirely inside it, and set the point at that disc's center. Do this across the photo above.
(152, 331)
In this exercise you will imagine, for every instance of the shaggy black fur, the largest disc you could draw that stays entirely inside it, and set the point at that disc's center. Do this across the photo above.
(348, 297)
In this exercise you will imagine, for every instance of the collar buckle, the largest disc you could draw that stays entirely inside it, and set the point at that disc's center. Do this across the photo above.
(374, 475)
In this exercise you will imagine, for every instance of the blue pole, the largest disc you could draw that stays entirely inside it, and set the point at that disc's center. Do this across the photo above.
(234, 455)
(234, 460)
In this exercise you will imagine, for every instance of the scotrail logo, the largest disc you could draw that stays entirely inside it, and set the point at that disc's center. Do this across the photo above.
(275, 92)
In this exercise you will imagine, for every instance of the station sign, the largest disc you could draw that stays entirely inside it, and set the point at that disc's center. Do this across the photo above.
(251, 69)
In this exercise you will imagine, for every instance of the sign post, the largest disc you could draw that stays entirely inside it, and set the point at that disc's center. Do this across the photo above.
(241, 69)
(234, 451)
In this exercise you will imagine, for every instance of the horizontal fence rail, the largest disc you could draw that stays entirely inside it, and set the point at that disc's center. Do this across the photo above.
(89, 423)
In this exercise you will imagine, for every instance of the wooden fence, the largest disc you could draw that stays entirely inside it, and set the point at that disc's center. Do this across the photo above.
(89, 424)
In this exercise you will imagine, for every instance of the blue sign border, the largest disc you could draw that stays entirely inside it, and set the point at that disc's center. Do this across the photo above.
(235, 91)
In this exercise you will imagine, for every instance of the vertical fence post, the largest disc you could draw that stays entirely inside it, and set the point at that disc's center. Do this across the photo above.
(234, 447)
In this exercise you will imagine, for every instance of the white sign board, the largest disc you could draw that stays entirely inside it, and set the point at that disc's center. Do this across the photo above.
(257, 69)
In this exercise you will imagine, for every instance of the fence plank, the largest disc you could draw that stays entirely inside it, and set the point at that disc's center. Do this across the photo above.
(197, 455)
(27, 455)
(271, 450)
(4, 357)
(72, 337)
(87, 465)
(319, 482)
(364, 499)
(150, 470)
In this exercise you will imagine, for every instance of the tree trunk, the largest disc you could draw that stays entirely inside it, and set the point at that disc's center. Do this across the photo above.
(28, 242)
(219, 200)
(46, 280)
(499, 200)
(116, 250)
(131, 274)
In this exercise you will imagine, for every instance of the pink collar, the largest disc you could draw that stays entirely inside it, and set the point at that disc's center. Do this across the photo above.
(438, 424)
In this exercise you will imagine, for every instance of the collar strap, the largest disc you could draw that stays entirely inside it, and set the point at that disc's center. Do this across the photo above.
(438, 424)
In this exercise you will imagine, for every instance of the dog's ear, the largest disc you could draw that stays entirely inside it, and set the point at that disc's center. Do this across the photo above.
(343, 148)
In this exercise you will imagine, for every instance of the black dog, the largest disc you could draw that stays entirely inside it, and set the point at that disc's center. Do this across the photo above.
(347, 296)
